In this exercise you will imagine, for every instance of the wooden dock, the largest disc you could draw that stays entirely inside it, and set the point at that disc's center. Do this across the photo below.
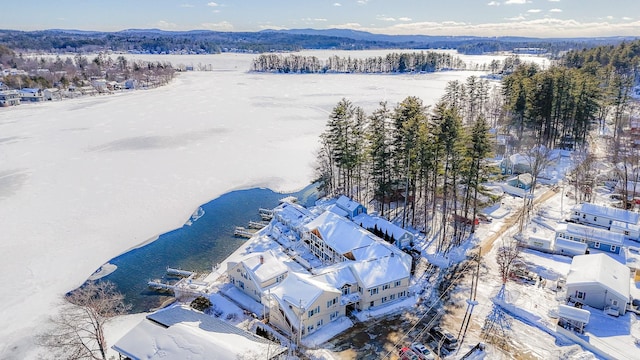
(242, 232)
(257, 224)
(265, 214)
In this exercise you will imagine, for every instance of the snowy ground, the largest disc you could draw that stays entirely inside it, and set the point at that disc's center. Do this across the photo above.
(83, 180)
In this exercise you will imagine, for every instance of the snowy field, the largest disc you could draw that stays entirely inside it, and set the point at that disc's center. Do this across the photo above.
(84, 180)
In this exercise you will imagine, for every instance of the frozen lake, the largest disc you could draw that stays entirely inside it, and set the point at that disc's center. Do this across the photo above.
(84, 180)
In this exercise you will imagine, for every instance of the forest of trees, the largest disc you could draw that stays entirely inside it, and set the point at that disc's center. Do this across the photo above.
(391, 63)
(412, 157)
(423, 166)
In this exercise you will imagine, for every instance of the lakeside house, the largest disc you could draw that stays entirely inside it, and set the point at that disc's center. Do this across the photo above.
(328, 266)
(9, 98)
(180, 332)
(31, 95)
(521, 181)
(599, 281)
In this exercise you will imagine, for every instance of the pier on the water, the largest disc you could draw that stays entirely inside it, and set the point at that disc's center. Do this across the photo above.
(257, 224)
(265, 214)
(242, 232)
(187, 285)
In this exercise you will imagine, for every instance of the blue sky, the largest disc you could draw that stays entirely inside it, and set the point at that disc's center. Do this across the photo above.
(542, 18)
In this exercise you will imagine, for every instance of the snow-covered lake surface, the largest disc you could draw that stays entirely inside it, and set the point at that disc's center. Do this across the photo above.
(84, 180)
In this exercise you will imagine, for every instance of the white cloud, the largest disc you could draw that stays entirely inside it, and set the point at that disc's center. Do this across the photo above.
(385, 18)
(626, 18)
(404, 18)
(534, 11)
(609, 17)
(222, 26)
(516, 2)
(212, 4)
(337, 4)
(555, 10)
(519, 26)
(493, 3)
(363, 2)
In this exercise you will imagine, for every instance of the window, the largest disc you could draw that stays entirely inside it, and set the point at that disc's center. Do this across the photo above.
(392, 296)
(332, 302)
(373, 291)
(596, 245)
(319, 323)
(584, 216)
(401, 294)
(280, 278)
(614, 248)
(371, 304)
(312, 312)
(385, 287)
(595, 218)
(398, 283)
(333, 315)
(310, 328)
(346, 290)
(614, 302)
(241, 284)
(626, 232)
(580, 294)
(383, 300)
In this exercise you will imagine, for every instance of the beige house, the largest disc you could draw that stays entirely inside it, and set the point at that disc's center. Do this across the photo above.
(302, 304)
(257, 272)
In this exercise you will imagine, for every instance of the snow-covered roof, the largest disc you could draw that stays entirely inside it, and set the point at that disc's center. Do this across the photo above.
(574, 247)
(337, 275)
(334, 208)
(574, 313)
(367, 221)
(382, 270)
(295, 214)
(525, 178)
(608, 212)
(591, 233)
(265, 265)
(301, 290)
(183, 333)
(347, 203)
(624, 226)
(600, 269)
(339, 233)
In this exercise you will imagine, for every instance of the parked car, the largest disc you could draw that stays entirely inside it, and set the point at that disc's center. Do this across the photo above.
(447, 339)
(484, 217)
(407, 354)
(422, 351)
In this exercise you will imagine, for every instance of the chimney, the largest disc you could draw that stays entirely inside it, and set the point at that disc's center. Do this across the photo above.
(261, 259)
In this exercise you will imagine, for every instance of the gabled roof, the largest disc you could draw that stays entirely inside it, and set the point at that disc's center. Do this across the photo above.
(265, 265)
(337, 275)
(574, 313)
(347, 204)
(339, 233)
(300, 290)
(600, 269)
(382, 270)
(368, 222)
(608, 212)
(295, 214)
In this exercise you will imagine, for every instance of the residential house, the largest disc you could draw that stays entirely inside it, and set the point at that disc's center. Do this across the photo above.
(50, 94)
(629, 231)
(599, 281)
(254, 274)
(595, 238)
(516, 164)
(9, 98)
(302, 304)
(521, 181)
(385, 229)
(601, 216)
(180, 332)
(31, 95)
(347, 207)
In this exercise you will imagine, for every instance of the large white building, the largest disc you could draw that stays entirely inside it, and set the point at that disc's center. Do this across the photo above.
(599, 281)
(602, 216)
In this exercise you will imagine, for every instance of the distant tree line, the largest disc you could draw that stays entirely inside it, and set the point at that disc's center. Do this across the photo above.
(412, 158)
(47, 72)
(210, 42)
(391, 63)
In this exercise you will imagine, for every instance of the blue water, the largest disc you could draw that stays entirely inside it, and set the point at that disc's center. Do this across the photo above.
(197, 247)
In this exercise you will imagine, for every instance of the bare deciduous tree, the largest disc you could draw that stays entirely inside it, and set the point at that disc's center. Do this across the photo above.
(77, 331)
(508, 254)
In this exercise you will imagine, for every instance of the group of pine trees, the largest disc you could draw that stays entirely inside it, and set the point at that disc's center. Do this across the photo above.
(414, 62)
(411, 157)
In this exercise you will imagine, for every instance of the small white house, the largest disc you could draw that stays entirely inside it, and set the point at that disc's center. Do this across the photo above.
(629, 231)
(599, 281)
(602, 216)
(257, 272)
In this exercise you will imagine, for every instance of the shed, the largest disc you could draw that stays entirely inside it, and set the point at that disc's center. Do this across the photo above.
(573, 317)
(599, 281)
(569, 247)
(522, 181)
